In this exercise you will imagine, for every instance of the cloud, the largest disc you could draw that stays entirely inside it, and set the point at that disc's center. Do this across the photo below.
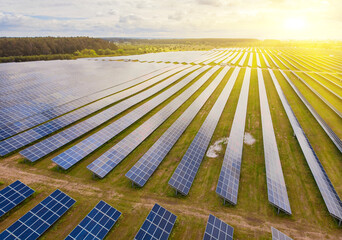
(177, 18)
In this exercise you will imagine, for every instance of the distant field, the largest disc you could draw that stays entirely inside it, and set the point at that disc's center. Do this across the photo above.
(34, 93)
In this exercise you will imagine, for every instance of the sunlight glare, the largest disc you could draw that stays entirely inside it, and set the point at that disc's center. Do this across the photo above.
(295, 23)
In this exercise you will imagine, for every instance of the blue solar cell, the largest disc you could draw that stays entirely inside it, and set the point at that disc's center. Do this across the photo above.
(157, 225)
(278, 235)
(328, 192)
(277, 193)
(34, 223)
(148, 163)
(13, 195)
(217, 229)
(186, 171)
(110, 159)
(228, 183)
(97, 223)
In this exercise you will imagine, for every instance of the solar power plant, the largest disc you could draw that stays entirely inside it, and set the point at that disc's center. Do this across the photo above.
(278, 235)
(328, 192)
(12, 195)
(257, 127)
(20, 140)
(216, 229)
(158, 224)
(276, 187)
(51, 144)
(148, 163)
(110, 159)
(34, 223)
(228, 183)
(97, 223)
(186, 171)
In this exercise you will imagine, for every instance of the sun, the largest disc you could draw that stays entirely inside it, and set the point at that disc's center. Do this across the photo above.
(295, 23)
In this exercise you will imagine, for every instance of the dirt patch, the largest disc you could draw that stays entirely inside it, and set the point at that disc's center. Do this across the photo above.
(248, 139)
(215, 149)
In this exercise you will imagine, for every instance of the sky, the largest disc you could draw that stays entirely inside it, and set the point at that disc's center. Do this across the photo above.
(262, 19)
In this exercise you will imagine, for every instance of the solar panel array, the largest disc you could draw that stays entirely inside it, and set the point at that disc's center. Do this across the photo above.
(27, 137)
(278, 235)
(56, 141)
(34, 223)
(103, 96)
(228, 183)
(185, 173)
(12, 195)
(96, 224)
(328, 192)
(71, 79)
(110, 159)
(158, 224)
(148, 163)
(276, 187)
(217, 229)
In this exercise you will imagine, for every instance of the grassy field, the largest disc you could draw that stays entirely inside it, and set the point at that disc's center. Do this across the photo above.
(251, 218)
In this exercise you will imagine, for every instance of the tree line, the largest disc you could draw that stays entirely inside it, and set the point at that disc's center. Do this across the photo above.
(10, 47)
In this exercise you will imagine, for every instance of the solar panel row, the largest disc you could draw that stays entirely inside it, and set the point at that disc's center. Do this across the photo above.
(34, 223)
(56, 141)
(328, 192)
(12, 195)
(96, 224)
(110, 159)
(216, 229)
(185, 173)
(276, 187)
(157, 225)
(228, 183)
(148, 163)
(11, 144)
(105, 97)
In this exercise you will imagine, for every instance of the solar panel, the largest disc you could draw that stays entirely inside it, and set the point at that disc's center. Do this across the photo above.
(250, 60)
(184, 175)
(243, 59)
(328, 192)
(258, 60)
(96, 224)
(110, 159)
(27, 137)
(228, 183)
(105, 97)
(13, 195)
(276, 187)
(148, 163)
(278, 235)
(56, 141)
(34, 223)
(217, 229)
(157, 225)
